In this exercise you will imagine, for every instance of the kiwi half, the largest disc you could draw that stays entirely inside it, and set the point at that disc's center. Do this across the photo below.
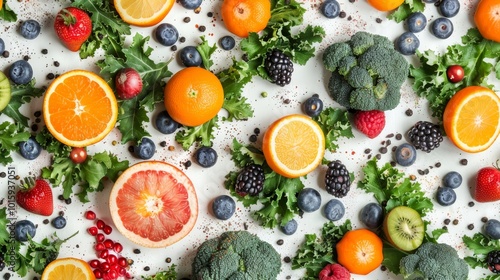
(4, 91)
(404, 228)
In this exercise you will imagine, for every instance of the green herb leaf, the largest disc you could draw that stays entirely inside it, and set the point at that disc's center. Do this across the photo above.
(10, 136)
(335, 124)
(39, 255)
(202, 133)
(233, 81)
(169, 274)
(480, 245)
(206, 52)
(7, 14)
(21, 94)
(406, 9)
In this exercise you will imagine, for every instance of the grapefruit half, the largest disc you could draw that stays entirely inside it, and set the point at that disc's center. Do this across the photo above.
(153, 204)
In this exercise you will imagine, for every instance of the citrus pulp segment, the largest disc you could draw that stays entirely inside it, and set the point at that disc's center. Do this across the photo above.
(68, 268)
(154, 204)
(471, 118)
(293, 145)
(143, 12)
(5, 92)
(79, 108)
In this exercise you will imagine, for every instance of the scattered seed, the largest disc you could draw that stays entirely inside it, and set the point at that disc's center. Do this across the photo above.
(287, 259)
(413, 177)
(56, 63)
(202, 28)
(38, 114)
(287, 101)
(420, 172)
(45, 51)
(342, 14)
(470, 226)
(173, 48)
(378, 20)
(393, 163)
(383, 268)
(394, 148)
(446, 221)
(182, 39)
(383, 150)
(349, 18)
(60, 197)
(256, 131)
(5, 54)
(147, 268)
(210, 14)
(197, 10)
(390, 135)
(280, 242)
(186, 19)
(367, 151)
(46, 221)
(399, 136)
(187, 164)
(50, 76)
(168, 260)
(61, 213)
(484, 219)
(3, 174)
(245, 226)
(26, 57)
(464, 161)
(163, 144)
(263, 94)
(438, 164)
(67, 200)
(34, 127)
(137, 251)
(378, 156)
(253, 138)
(445, 227)
(455, 222)
(471, 203)
(409, 112)
(171, 148)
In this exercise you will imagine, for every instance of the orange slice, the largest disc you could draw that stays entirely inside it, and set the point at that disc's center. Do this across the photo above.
(154, 204)
(79, 108)
(143, 12)
(293, 145)
(471, 118)
(385, 5)
(68, 268)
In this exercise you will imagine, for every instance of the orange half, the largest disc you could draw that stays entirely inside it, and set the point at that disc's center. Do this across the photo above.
(143, 12)
(68, 268)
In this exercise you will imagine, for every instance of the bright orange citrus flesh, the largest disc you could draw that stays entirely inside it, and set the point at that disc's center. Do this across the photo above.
(1, 5)
(471, 118)
(385, 5)
(143, 12)
(154, 204)
(68, 268)
(487, 19)
(79, 108)
(193, 96)
(293, 145)
(360, 251)
(244, 16)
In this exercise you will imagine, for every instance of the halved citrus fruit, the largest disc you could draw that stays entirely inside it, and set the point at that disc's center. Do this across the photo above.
(244, 16)
(471, 118)
(293, 145)
(154, 204)
(143, 12)
(68, 268)
(79, 108)
(360, 251)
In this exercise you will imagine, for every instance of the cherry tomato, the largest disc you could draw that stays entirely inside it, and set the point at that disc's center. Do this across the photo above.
(78, 155)
(455, 73)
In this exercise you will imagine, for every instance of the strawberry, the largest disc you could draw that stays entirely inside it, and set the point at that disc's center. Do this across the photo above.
(487, 184)
(370, 123)
(334, 271)
(73, 26)
(35, 196)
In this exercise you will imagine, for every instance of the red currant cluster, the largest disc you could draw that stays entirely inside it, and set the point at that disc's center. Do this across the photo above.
(110, 265)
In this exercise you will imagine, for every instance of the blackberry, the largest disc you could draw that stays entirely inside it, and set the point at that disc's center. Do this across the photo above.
(337, 179)
(493, 261)
(250, 180)
(425, 136)
(279, 67)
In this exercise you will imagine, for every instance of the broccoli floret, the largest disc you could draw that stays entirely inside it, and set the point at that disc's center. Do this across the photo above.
(236, 255)
(385, 63)
(434, 261)
(339, 89)
(346, 63)
(360, 42)
(359, 78)
(382, 41)
(334, 54)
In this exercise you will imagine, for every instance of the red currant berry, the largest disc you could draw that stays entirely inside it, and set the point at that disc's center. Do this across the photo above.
(94, 263)
(99, 247)
(104, 266)
(98, 273)
(103, 254)
(90, 215)
(100, 224)
(122, 262)
(112, 274)
(117, 247)
(100, 237)
(109, 243)
(78, 155)
(111, 259)
(92, 231)
(107, 229)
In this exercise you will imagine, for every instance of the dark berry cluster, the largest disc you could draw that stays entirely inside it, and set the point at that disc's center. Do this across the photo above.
(493, 260)
(279, 67)
(337, 179)
(250, 180)
(425, 136)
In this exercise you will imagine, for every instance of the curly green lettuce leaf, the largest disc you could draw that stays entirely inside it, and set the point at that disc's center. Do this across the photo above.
(233, 80)
(335, 124)
(480, 245)
(169, 274)
(10, 136)
(21, 94)
(406, 9)
(204, 134)
(7, 14)
(206, 52)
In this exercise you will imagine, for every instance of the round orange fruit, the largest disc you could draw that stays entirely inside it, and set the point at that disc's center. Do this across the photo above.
(293, 145)
(244, 16)
(193, 96)
(487, 19)
(79, 108)
(385, 5)
(471, 118)
(360, 251)
(68, 268)
(154, 204)
(143, 12)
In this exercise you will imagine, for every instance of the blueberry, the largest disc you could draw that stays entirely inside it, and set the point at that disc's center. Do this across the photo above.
(407, 43)
(406, 154)
(446, 196)
(20, 72)
(165, 124)
(452, 180)
(449, 8)
(227, 42)
(2, 46)
(206, 156)
(313, 106)
(190, 56)
(416, 22)
(492, 229)
(30, 149)
(309, 200)
(166, 34)
(223, 207)
(334, 209)
(442, 28)
(24, 228)
(58, 222)
(30, 29)
(190, 4)
(290, 227)
(330, 8)
(146, 149)
(372, 215)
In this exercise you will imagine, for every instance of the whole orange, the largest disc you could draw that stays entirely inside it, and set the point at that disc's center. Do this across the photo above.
(487, 19)
(244, 16)
(385, 5)
(360, 251)
(193, 96)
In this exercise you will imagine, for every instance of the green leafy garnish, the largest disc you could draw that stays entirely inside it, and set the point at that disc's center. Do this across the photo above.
(6, 13)
(335, 123)
(21, 94)
(480, 245)
(10, 136)
(169, 274)
(406, 9)
(478, 57)
(316, 252)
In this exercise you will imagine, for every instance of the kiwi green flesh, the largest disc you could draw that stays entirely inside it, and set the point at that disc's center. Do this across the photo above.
(404, 228)
(4, 91)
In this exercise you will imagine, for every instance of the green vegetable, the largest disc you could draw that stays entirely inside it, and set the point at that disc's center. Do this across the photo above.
(169, 274)
(335, 124)
(406, 9)
(367, 72)
(316, 252)
(480, 245)
(434, 261)
(478, 57)
(236, 255)
(10, 136)
(21, 94)
(6, 13)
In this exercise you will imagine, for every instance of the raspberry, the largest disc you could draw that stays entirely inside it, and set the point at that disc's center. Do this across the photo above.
(334, 271)
(370, 123)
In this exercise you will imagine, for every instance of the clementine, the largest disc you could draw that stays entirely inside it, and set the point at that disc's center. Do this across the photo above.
(360, 251)
(143, 12)
(385, 5)
(244, 16)
(487, 19)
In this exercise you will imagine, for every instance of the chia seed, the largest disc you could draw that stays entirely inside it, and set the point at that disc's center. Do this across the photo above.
(390, 135)
(163, 144)
(34, 127)
(280, 242)
(383, 268)
(256, 131)
(409, 112)
(173, 48)
(187, 164)
(202, 28)
(378, 20)
(378, 156)
(388, 143)
(60, 197)
(445, 227)
(168, 260)
(367, 151)
(136, 251)
(186, 19)
(471, 204)
(38, 114)
(287, 101)
(464, 161)
(287, 259)
(342, 14)
(182, 39)
(131, 149)
(5, 54)
(3, 174)
(446, 221)
(399, 136)
(67, 200)
(46, 221)
(394, 148)
(393, 163)
(210, 14)
(438, 164)
(26, 58)
(470, 226)
(61, 213)
(484, 219)
(56, 63)
(253, 138)
(383, 150)
(455, 222)
(146, 268)
(45, 51)
(50, 76)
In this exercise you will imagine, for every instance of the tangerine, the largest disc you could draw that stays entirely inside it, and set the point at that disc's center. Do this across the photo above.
(68, 268)
(487, 19)
(143, 12)
(244, 16)
(193, 96)
(360, 251)
(385, 5)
